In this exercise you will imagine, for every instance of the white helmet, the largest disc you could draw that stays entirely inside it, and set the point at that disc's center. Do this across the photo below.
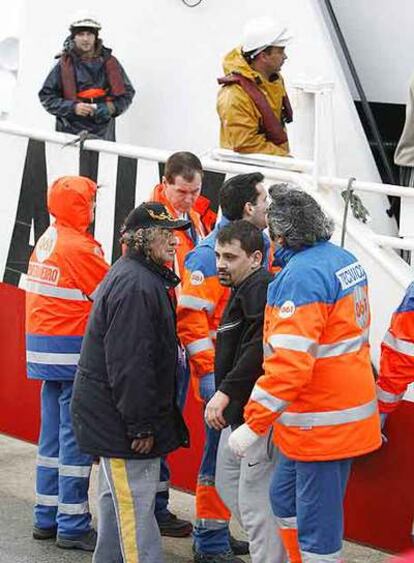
(263, 32)
(84, 19)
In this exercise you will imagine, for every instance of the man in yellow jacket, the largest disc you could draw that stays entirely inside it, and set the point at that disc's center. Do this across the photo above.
(252, 104)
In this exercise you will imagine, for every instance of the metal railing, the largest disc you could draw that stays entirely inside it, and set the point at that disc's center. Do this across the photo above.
(217, 160)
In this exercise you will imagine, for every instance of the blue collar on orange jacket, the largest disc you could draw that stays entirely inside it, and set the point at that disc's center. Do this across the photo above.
(210, 240)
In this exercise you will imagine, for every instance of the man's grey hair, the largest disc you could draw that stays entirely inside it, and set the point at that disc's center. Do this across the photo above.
(297, 217)
(139, 240)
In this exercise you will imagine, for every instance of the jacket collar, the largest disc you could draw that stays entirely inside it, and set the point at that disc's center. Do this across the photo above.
(282, 256)
(169, 278)
(256, 273)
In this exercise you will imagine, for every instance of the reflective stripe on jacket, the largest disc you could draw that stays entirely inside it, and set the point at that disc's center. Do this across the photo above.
(318, 385)
(397, 355)
(240, 118)
(64, 271)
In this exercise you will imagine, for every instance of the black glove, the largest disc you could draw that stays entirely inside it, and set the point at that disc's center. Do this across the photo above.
(101, 114)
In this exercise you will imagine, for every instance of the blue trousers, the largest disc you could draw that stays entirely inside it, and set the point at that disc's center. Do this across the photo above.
(211, 533)
(163, 495)
(309, 496)
(62, 471)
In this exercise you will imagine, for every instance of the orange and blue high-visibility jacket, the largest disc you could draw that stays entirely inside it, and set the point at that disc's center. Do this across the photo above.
(318, 387)
(64, 271)
(397, 355)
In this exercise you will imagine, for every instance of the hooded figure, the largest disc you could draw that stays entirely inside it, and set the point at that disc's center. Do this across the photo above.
(64, 271)
(88, 88)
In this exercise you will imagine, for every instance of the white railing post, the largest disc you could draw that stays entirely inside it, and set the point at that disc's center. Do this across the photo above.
(314, 105)
(407, 222)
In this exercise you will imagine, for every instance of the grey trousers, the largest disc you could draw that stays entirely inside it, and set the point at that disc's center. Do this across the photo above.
(243, 484)
(127, 529)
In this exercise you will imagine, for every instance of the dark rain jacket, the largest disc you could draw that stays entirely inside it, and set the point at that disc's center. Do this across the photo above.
(239, 346)
(125, 386)
(89, 73)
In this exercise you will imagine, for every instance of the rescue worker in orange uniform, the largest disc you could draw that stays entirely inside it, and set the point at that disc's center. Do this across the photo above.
(252, 103)
(180, 191)
(318, 388)
(397, 356)
(88, 88)
(64, 271)
(200, 305)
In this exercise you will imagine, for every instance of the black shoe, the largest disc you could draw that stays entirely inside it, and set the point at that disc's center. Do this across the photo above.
(86, 542)
(227, 557)
(239, 547)
(174, 527)
(44, 533)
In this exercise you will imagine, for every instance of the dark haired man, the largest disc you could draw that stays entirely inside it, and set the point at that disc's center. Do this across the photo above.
(200, 306)
(243, 484)
(124, 406)
(88, 88)
(180, 191)
(252, 103)
(318, 389)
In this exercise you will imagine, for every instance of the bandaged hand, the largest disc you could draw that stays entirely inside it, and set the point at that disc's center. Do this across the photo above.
(241, 439)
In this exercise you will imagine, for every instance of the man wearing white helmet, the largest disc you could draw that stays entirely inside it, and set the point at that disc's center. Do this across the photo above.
(252, 104)
(88, 88)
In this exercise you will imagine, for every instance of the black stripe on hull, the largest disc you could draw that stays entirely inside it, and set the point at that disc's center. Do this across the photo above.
(126, 179)
(32, 206)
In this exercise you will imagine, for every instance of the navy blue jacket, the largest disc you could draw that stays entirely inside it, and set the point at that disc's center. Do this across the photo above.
(125, 386)
(88, 74)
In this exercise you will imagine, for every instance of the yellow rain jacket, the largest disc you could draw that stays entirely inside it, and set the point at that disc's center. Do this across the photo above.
(241, 121)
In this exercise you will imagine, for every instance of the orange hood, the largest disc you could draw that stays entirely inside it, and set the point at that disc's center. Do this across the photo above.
(69, 200)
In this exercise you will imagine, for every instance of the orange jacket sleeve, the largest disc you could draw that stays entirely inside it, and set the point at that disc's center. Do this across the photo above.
(289, 337)
(397, 355)
(198, 303)
(87, 265)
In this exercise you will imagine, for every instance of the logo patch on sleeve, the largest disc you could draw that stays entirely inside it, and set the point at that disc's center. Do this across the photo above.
(351, 275)
(361, 306)
(287, 310)
(197, 277)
